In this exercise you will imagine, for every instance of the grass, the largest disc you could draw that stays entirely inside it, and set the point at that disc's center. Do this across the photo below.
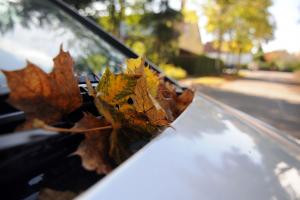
(216, 80)
(209, 80)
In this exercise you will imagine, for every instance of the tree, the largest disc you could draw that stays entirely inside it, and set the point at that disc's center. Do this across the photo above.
(162, 35)
(245, 23)
(218, 23)
(259, 56)
(253, 24)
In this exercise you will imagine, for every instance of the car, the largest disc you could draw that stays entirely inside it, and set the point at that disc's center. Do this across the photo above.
(211, 151)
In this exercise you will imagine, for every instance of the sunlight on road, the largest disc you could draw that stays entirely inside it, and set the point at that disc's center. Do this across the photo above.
(274, 85)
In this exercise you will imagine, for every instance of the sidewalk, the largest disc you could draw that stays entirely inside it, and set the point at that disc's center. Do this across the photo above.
(275, 85)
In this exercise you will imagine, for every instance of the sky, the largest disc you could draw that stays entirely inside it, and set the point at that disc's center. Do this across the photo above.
(287, 33)
(287, 17)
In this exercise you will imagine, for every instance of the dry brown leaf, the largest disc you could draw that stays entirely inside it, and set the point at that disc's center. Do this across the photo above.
(50, 194)
(45, 96)
(137, 66)
(172, 103)
(184, 99)
(146, 91)
(93, 150)
(166, 96)
(145, 103)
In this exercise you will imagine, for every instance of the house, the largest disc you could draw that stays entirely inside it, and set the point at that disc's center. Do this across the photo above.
(227, 57)
(190, 41)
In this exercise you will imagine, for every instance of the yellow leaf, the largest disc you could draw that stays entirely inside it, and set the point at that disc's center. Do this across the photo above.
(134, 65)
(145, 103)
(152, 81)
(137, 66)
(116, 89)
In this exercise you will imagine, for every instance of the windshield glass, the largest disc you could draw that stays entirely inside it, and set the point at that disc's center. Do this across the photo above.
(33, 30)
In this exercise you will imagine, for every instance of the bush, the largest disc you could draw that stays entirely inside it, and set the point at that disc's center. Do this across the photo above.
(287, 66)
(268, 66)
(291, 66)
(173, 71)
(198, 65)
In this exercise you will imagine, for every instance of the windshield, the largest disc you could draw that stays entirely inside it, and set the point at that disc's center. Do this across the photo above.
(33, 30)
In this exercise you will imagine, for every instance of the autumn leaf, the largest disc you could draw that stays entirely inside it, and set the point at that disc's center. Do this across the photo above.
(135, 106)
(123, 124)
(118, 99)
(166, 96)
(172, 103)
(45, 96)
(146, 91)
(116, 89)
(50, 194)
(93, 150)
(183, 100)
(145, 103)
(137, 66)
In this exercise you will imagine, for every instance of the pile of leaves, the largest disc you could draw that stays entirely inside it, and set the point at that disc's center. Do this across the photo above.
(134, 106)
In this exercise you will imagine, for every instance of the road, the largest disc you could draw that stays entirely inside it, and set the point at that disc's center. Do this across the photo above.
(271, 97)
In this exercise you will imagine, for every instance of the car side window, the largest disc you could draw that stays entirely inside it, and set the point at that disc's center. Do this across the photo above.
(33, 30)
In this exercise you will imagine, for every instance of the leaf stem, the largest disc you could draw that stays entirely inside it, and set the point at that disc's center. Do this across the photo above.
(74, 130)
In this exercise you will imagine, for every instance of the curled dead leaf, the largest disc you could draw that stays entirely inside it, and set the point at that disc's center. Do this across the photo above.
(166, 96)
(184, 99)
(51, 194)
(145, 103)
(93, 150)
(45, 96)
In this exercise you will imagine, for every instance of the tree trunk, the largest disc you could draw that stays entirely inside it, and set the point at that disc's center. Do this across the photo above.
(219, 49)
(121, 19)
(238, 67)
(183, 3)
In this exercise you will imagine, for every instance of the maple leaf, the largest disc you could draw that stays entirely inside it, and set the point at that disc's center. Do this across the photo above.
(126, 102)
(145, 103)
(45, 96)
(137, 66)
(123, 123)
(50, 194)
(116, 89)
(146, 91)
(166, 96)
(184, 99)
(172, 103)
(93, 150)
(118, 99)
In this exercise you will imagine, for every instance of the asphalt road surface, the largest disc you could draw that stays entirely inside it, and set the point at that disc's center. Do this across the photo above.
(281, 114)
(272, 97)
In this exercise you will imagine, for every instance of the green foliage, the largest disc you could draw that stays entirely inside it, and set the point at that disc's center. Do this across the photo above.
(198, 65)
(162, 37)
(282, 61)
(285, 66)
(259, 55)
(173, 71)
(241, 24)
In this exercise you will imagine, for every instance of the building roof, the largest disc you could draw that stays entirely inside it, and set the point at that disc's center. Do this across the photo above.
(190, 39)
